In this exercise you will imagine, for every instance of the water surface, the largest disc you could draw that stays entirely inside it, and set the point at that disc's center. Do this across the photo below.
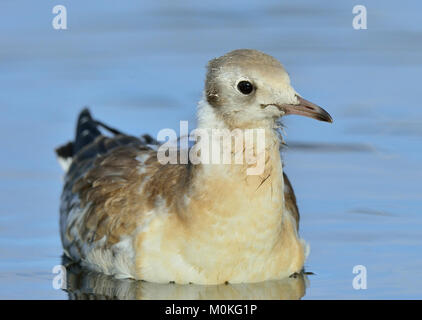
(140, 67)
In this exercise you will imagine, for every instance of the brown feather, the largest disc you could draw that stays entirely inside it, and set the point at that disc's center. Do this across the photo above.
(290, 200)
(109, 187)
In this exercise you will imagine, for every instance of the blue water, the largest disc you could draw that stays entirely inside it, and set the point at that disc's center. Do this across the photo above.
(140, 67)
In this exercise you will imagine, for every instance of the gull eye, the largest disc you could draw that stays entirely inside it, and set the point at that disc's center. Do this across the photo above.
(245, 87)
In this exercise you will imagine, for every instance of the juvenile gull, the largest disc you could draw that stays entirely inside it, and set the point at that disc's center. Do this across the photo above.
(125, 214)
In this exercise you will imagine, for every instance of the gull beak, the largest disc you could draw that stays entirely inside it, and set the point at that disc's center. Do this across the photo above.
(307, 109)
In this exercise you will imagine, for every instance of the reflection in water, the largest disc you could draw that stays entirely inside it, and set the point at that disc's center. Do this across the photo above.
(88, 285)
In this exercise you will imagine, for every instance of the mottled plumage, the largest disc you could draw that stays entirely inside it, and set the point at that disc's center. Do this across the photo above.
(125, 214)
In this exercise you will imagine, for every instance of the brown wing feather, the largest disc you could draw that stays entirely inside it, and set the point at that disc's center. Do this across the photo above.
(115, 188)
(98, 180)
(290, 200)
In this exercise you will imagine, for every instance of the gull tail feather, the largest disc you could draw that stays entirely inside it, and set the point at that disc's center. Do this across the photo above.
(86, 132)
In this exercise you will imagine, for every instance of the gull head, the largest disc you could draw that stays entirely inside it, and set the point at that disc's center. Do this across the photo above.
(247, 87)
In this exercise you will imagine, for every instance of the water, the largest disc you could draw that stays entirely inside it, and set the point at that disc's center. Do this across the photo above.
(140, 67)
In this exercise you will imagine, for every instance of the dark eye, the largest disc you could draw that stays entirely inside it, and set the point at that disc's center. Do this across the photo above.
(245, 87)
